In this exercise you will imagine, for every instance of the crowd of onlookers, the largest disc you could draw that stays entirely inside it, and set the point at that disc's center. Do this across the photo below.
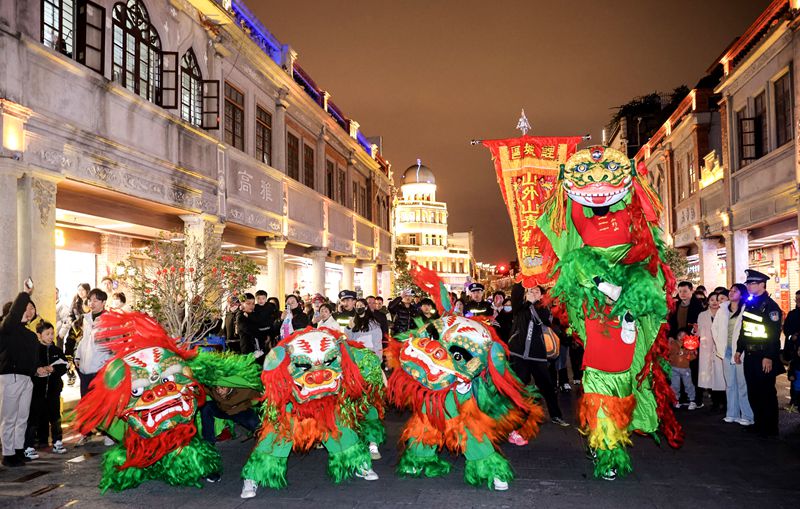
(703, 332)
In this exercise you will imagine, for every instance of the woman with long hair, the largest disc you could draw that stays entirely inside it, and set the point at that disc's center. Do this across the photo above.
(366, 329)
(713, 333)
(739, 409)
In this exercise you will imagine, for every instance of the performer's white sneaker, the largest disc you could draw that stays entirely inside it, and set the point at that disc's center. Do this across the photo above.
(609, 290)
(367, 474)
(374, 453)
(500, 485)
(249, 489)
(628, 333)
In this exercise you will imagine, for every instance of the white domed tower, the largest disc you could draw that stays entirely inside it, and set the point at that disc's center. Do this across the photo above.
(421, 227)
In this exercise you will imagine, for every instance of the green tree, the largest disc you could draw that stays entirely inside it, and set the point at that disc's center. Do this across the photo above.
(402, 276)
(677, 262)
(181, 283)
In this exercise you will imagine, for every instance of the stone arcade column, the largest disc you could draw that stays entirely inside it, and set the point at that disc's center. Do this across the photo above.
(10, 280)
(12, 167)
(279, 131)
(203, 233)
(202, 236)
(348, 271)
(318, 257)
(36, 249)
(709, 263)
(737, 255)
(386, 282)
(369, 279)
(276, 281)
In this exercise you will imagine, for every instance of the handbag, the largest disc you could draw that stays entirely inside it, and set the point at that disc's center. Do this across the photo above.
(552, 343)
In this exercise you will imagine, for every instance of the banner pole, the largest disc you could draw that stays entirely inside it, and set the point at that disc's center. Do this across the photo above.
(585, 137)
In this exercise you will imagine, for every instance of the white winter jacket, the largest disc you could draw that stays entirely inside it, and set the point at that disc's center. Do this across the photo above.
(89, 354)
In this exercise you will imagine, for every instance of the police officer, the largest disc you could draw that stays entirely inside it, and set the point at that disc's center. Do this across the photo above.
(759, 340)
(347, 302)
(477, 305)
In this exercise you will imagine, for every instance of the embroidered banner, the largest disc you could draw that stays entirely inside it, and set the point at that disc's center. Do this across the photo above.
(527, 168)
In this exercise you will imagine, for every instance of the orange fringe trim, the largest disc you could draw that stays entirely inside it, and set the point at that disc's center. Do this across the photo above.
(619, 410)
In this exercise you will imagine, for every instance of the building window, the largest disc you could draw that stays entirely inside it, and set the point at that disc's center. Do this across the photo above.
(137, 50)
(342, 186)
(680, 181)
(692, 172)
(234, 117)
(746, 137)
(412, 239)
(263, 135)
(308, 166)
(330, 179)
(191, 90)
(760, 116)
(58, 25)
(293, 156)
(783, 110)
(364, 202)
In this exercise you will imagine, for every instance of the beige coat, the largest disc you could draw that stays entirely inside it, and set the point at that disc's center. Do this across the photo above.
(713, 340)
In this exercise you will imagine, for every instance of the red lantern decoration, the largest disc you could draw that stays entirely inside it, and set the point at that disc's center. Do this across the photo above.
(691, 342)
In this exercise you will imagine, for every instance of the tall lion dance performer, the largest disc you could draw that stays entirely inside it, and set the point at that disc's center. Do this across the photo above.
(602, 223)
(319, 388)
(453, 374)
(146, 398)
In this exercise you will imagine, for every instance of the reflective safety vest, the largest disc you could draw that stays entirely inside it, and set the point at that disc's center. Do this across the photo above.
(753, 326)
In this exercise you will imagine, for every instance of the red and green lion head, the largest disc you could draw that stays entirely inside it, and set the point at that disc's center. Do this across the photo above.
(315, 380)
(147, 385)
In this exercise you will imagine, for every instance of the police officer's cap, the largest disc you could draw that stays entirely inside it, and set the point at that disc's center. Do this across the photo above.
(473, 287)
(347, 294)
(754, 276)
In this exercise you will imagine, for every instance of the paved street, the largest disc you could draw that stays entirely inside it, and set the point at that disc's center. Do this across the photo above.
(719, 466)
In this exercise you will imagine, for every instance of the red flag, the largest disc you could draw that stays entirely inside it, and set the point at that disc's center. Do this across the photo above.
(527, 169)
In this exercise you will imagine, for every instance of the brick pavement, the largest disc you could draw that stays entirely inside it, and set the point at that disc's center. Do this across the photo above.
(719, 466)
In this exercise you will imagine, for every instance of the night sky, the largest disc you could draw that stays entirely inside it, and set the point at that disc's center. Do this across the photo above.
(430, 75)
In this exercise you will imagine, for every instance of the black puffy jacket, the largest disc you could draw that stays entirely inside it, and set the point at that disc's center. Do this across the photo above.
(19, 346)
(403, 317)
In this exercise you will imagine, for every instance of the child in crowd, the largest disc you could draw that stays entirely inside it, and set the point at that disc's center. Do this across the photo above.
(794, 382)
(45, 415)
(679, 358)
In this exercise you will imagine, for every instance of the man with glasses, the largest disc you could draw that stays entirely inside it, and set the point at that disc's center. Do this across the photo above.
(759, 341)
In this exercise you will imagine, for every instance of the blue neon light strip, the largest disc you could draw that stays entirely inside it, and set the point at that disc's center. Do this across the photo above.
(255, 25)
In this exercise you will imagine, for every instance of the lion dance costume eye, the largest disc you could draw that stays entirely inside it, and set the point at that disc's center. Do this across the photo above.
(602, 224)
(454, 375)
(319, 388)
(146, 397)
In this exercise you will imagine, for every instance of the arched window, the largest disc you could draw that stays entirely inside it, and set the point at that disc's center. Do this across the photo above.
(137, 50)
(191, 89)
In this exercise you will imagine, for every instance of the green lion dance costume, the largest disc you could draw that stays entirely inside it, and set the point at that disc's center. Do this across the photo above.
(146, 397)
(453, 373)
(602, 224)
(319, 388)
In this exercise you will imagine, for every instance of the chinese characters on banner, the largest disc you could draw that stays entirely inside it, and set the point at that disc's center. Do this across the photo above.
(527, 169)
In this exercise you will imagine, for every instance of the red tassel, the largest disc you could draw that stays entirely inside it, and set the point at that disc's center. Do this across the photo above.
(665, 398)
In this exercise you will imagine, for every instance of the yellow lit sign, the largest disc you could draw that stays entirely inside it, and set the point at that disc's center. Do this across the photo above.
(60, 240)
